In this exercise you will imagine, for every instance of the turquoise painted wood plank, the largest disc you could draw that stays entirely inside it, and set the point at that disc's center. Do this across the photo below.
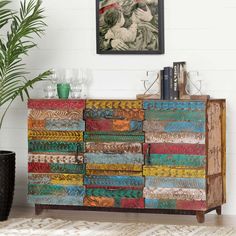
(103, 158)
(136, 125)
(67, 125)
(114, 193)
(114, 137)
(174, 126)
(67, 168)
(176, 160)
(61, 190)
(56, 147)
(176, 105)
(56, 200)
(175, 115)
(98, 113)
(160, 203)
(163, 182)
(121, 181)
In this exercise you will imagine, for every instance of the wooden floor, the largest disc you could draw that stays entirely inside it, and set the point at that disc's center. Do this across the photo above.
(211, 219)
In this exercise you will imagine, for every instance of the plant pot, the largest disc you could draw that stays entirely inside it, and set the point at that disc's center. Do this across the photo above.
(7, 182)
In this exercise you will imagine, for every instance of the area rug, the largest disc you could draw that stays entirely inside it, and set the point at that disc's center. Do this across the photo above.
(56, 227)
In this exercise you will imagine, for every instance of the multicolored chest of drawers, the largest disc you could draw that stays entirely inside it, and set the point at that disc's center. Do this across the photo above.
(134, 155)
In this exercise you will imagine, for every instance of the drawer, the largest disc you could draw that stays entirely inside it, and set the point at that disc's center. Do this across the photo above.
(113, 125)
(173, 126)
(55, 179)
(114, 136)
(53, 146)
(55, 158)
(114, 104)
(113, 147)
(67, 136)
(120, 181)
(94, 201)
(121, 114)
(169, 148)
(56, 190)
(56, 104)
(56, 168)
(174, 106)
(103, 158)
(180, 160)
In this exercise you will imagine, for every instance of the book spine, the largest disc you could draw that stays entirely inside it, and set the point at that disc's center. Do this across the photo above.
(166, 84)
(171, 82)
(162, 84)
(175, 81)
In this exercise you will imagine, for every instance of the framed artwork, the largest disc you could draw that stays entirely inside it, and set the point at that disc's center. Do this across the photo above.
(130, 26)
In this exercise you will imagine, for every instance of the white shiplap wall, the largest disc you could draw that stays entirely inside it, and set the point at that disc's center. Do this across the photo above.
(200, 32)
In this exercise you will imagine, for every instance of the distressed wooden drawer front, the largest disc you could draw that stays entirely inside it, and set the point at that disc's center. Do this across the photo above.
(119, 114)
(114, 137)
(113, 147)
(53, 146)
(113, 125)
(118, 181)
(114, 104)
(102, 158)
(174, 106)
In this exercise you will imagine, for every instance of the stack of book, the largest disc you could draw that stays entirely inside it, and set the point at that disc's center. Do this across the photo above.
(173, 82)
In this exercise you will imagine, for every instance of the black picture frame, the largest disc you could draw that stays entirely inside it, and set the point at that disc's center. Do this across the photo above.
(104, 43)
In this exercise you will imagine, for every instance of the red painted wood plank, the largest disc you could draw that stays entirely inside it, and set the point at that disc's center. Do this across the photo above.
(132, 203)
(39, 167)
(98, 125)
(168, 148)
(58, 104)
(190, 205)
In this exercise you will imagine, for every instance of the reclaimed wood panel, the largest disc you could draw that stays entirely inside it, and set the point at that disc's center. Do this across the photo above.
(114, 193)
(38, 114)
(132, 203)
(93, 201)
(56, 168)
(122, 114)
(175, 115)
(168, 148)
(65, 125)
(55, 158)
(175, 105)
(53, 146)
(163, 182)
(176, 160)
(124, 167)
(173, 126)
(121, 181)
(102, 158)
(215, 191)
(56, 104)
(58, 190)
(113, 147)
(117, 104)
(36, 124)
(114, 137)
(57, 179)
(164, 171)
(214, 137)
(99, 125)
(179, 138)
(56, 200)
(193, 205)
(66, 136)
(114, 172)
(174, 193)
(160, 203)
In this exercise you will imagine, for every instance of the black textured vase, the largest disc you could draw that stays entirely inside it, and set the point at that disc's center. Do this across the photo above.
(7, 182)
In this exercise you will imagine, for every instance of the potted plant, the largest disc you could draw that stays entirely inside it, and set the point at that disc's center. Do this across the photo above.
(17, 29)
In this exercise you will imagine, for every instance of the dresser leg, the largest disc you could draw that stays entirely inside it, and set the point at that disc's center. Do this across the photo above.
(38, 210)
(218, 210)
(200, 215)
